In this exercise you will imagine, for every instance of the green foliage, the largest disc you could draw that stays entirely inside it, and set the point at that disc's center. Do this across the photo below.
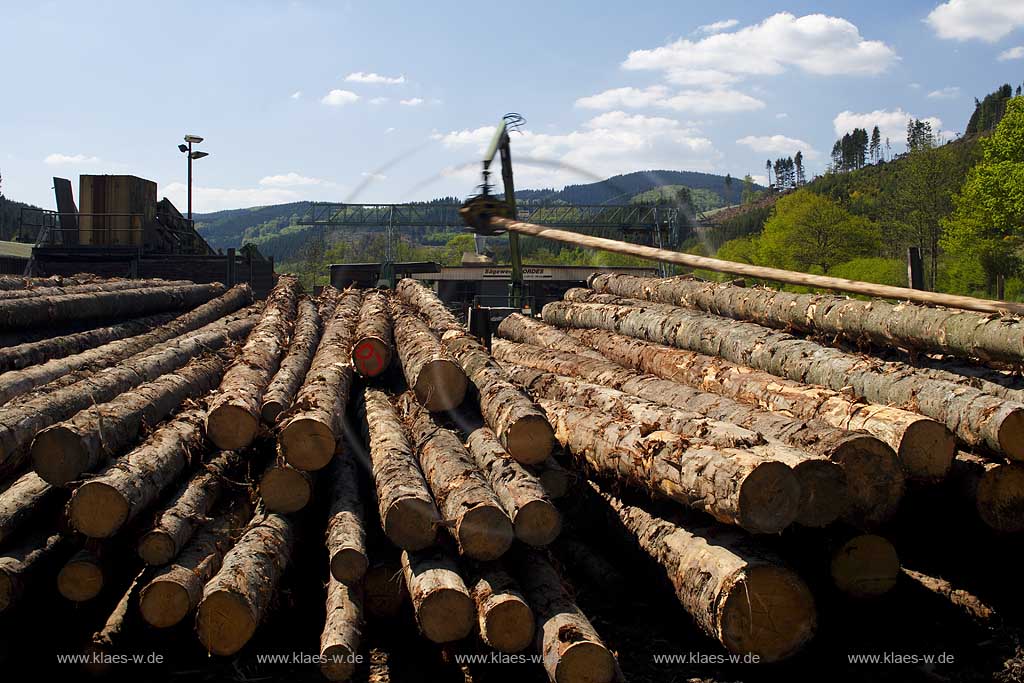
(740, 250)
(747, 223)
(883, 271)
(701, 199)
(989, 111)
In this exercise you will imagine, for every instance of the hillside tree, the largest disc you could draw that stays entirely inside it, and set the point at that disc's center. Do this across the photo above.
(875, 148)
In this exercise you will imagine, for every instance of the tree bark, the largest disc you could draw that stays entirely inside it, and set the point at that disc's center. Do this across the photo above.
(569, 645)
(519, 425)
(113, 285)
(172, 593)
(104, 504)
(523, 330)
(407, 510)
(18, 565)
(555, 479)
(444, 609)
(996, 489)
(234, 414)
(237, 598)
(346, 534)
(81, 579)
(43, 311)
(26, 497)
(20, 382)
(924, 447)
(63, 452)
(740, 595)
(874, 477)
(937, 330)
(473, 513)
(313, 426)
(374, 339)
(343, 630)
(186, 511)
(823, 489)
(308, 327)
(958, 597)
(975, 417)
(285, 489)
(506, 620)
(11, 283)
(435, 377)
(730, 484)
(535, 519)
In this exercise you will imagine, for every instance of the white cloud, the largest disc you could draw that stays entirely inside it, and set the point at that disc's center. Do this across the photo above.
(339, 98)
(374, 78)
(915, 86)
(374, 176)
(1012, 53)
(760, 180)
(411, 102)
(58, 159)
(718, 26)
(950, 92)
(379, 100)
(388, 131)
(296, 95)
(814, 43)
(987, 20)
(701, 77)
(891, 124)
(698, 101)
(778, 144)
(782, 115)
(289, 180)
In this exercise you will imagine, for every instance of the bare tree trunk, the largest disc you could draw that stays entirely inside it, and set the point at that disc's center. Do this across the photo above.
(285, 489)
(995, 488)
(374, 340)
(26, 497)
(308, 326)
(18, 565)
(506, 620)
(81, 579)
(437, 380)
(343, 630)
(346, 534)
(444, 609)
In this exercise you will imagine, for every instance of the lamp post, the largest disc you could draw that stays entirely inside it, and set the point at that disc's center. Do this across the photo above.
(187, 150)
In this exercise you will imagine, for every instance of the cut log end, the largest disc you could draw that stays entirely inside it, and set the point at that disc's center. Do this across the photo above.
(769, 498)
(286, 489)
(537, 523)
(441, 385)
(384, 591)
(1000, 497)
(271, 410)
(349, 566)
(874, 479)
(80, 580)
(164, 604)
(231, 427)
(865, 566)
(307, 444)
(1011, 435)
(926, 450)
(371, 356)
(446, 615)
(338, 662)
(530, 440)
(585, 662)
(770, 613)
(224, 623)
(508, 626)
(823, 493)
(58, 456)
(484, 533)
(411, 523)
(97, 509)
(156, 548)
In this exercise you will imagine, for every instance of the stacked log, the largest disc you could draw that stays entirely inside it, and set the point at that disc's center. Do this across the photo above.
(286, 383)
(374, 340)
(346, 534)
(437, 380)
(112, 285)
(445, 612)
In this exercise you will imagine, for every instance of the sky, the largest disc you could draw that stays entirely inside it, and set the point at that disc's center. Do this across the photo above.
(378, 101)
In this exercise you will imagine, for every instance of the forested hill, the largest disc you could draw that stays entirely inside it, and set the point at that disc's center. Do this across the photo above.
(619, 189)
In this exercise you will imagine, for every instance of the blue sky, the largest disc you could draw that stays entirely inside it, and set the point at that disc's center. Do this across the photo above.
(313, 100)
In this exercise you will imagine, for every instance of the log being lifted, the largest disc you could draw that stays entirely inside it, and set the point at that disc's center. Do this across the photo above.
(237, 598)
(374, 341)
(519, 425)
(730, 484)
(407, 510)
(346, 534)
(115, 285)
(996, 489)
(43, 311)
(21, 565)
(313, 427)
(975, 417)
(823, 489)
(62, 453)
(173, 592)
(21, 421)
(957, 332)
(874, 477)
(437, 380)
(925, 447)
(506, 620)
(444, 609)
(474, 514)
(186, 511)
(19, 382)
(308, 326)
(234, 414)
(105, 503)
(343, 630)
(534, 517)
(740, 595)
(569, 645)
(27, 496)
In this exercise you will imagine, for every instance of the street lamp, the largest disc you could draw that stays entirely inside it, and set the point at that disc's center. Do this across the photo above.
(187, 150)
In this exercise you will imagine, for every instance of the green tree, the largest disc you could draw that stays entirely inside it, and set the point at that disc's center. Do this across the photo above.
(987, 224)
(808, 231)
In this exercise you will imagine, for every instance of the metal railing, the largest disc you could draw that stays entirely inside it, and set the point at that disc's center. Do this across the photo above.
(47, 229)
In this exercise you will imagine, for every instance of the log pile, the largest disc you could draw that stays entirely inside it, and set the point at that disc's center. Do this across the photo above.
(224, 469)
